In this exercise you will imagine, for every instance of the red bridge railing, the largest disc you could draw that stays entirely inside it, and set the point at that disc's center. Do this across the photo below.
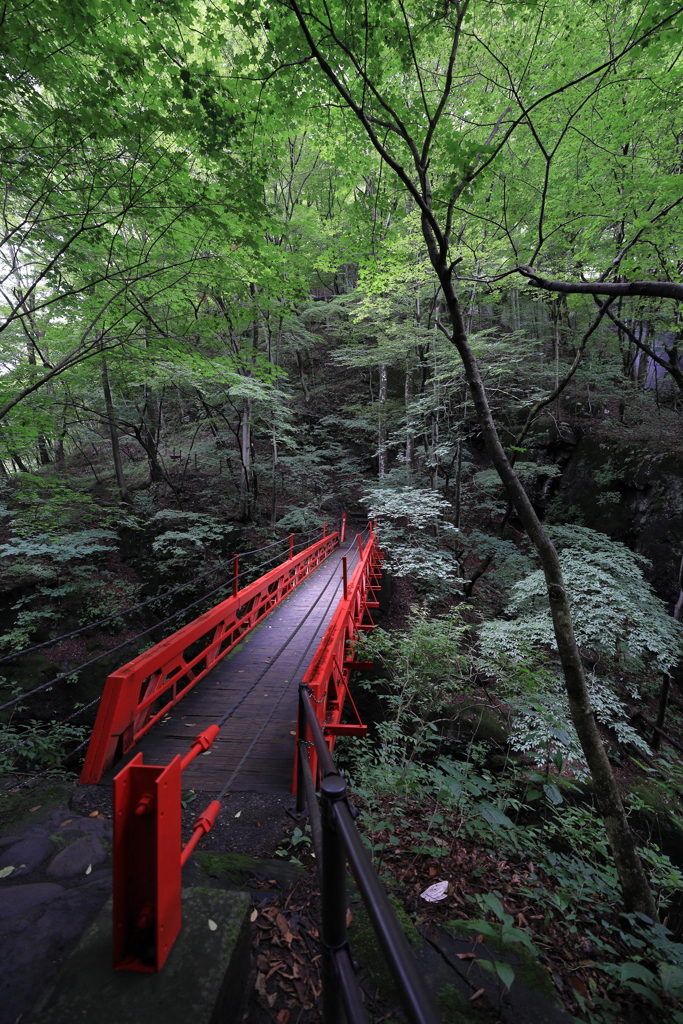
(140, 693)
(327, 679)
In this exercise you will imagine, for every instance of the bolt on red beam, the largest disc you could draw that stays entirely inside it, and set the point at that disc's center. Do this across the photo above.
(203, 824)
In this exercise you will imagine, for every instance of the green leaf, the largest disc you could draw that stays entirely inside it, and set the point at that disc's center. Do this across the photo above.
(553, 794)
(505, 972)
(494, 816)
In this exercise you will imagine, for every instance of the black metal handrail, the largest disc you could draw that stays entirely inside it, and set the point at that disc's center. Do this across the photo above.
(336, 839)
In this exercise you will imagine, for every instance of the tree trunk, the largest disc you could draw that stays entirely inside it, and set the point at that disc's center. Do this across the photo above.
(634, 883)
(661, 715)
(410, 437)
(245, 456)
(382, 428)
(59, 456)
(148, 435)
(113, 434)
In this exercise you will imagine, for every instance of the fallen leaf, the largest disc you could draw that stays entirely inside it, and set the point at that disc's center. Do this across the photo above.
(270, 999)
(93, 814)
(67, 822)
(212, 926)
(260, 984)
(254, 915)
(349, 918)
(466, 956)
(292, 732)
(36, 808)
(282, 1017)
(477, 994)
(281, 922)
(5, 872)
(238, 814)
(206, 753)
(88, 869)
(579, 987)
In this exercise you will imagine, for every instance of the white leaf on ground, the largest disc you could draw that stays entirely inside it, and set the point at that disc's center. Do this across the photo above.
(212, 925)
(88, 869)
(435, 892)
(4, 872)
(238, 814)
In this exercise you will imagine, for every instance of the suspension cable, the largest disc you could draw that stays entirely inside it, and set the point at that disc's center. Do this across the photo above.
(149, 600)
(233, 707)
(127, 643)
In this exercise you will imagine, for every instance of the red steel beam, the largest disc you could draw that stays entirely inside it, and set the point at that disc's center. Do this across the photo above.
(329, 672)
(140, 693)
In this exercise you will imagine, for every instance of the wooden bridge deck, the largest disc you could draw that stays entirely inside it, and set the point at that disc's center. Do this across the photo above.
(270, 682)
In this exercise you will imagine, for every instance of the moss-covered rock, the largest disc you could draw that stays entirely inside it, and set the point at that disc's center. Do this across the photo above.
(454, 1007)
(236, 869)
(15, 808)
(366, 948)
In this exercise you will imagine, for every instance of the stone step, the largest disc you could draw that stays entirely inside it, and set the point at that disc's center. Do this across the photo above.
(205, 979)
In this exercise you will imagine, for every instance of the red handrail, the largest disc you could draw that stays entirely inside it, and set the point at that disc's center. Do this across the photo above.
(132, 699)
(329, 672)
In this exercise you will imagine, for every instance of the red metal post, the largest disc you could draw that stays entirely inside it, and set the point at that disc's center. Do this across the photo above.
(345, 579)
(147, 906)
(291, 545)
(343, 528)
(148, 859)
(236, 576)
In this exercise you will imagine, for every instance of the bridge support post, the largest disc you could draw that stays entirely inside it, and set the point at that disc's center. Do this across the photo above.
(333, 899)
(147, 884)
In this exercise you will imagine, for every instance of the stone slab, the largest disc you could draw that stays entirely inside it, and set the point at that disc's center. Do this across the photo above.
(26, 855)
(204, 979)
(15, 899)
(76, 858)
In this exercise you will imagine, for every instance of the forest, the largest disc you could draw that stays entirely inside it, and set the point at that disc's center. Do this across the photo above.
(263, 264)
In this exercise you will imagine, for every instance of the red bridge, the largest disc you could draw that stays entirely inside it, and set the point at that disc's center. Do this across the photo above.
(226, 686)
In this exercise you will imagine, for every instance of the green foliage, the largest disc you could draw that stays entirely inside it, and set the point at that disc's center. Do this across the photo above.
(67, 547)
(415, 507)
(614, 611)
(39, 745)
(183, 539)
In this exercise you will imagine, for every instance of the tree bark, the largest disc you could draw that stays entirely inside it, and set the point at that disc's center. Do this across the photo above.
(245, 456)
(148, 435)
(113, 434)
(410, 437)
(382, 426)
